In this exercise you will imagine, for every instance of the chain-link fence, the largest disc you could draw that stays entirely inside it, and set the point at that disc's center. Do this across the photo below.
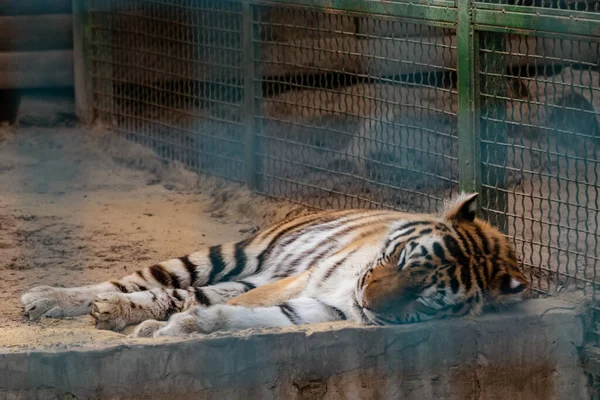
(378, 104)
(168, 74)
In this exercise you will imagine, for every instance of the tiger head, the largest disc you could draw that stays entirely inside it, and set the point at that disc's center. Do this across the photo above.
(433, 267)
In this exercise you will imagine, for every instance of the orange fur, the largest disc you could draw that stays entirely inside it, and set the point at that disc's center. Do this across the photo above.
(273, 293)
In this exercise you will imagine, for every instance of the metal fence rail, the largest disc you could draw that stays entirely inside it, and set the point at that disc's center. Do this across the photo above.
(338, 103)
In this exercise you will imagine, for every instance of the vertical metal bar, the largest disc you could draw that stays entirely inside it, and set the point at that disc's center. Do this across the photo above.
(250, 101)
(468, 132)
(82, 60)
(104, 81)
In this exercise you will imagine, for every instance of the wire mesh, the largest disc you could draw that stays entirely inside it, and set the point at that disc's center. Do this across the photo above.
(545, 161)
(168, 75)
(356, 112)
(352, 110)
(574, 5)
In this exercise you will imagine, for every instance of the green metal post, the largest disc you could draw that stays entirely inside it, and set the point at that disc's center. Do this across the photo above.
(468, 131)
(251, 91)
(82, 60)
(104, 82)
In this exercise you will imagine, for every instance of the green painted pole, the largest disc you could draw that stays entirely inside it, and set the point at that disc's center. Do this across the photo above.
(468, 131)
(251, 92)
(82, 60)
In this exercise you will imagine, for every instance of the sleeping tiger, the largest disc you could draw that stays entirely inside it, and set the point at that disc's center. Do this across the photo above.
(368, 266)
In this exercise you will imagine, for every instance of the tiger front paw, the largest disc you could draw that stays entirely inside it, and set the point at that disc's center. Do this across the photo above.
(115, 311)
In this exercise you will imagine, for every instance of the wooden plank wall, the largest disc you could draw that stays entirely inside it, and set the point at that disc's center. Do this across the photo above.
(36, 41)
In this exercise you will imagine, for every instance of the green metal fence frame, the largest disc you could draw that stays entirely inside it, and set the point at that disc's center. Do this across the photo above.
(473, 21)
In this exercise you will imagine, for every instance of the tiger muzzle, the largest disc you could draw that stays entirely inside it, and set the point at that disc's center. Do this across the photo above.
(384, 290)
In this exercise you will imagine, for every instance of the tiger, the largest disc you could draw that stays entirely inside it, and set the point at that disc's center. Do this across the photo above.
(371, 267)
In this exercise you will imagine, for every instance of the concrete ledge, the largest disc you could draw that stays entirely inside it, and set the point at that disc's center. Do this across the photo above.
(529, 352)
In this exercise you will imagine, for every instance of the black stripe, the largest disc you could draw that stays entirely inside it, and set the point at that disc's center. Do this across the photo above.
(177, 295)
(248, 285)
(153, 296)
(492, 271)
(240, 262)
(340, 314)
(434, 279)
(426, 231)
(290, 313)
(140, 274)
(331, 224)
(175, 281)
(120, 286)
(310, 217)
(496, 251)
(465, 277)
(484, 242)
(400, 228)
(142, 288)
(215, 255)
(408, 232)
(441, 227)
(454, 285)
(464, 242)
(408, 240)
(478, 275)
(455, 250)
(267, 251)
(438, 250)
(395, 249)
(412, 223)
(292, 264)
(335, 266)
(159, 273)
(201, 297)
(300, 226)
(172, 306)
(191, 269)
(471, 240)
(328, 224)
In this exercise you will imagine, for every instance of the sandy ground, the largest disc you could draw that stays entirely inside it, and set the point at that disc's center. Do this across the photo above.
(72, 213)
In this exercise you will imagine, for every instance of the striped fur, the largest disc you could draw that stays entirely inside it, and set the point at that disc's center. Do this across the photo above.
(369, 266)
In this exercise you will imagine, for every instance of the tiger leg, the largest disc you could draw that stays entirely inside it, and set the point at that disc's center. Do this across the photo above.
(220, 317)
(198, 269)
(115, 311)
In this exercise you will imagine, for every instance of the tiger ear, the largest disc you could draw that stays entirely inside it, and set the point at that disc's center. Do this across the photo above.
(462, 208)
